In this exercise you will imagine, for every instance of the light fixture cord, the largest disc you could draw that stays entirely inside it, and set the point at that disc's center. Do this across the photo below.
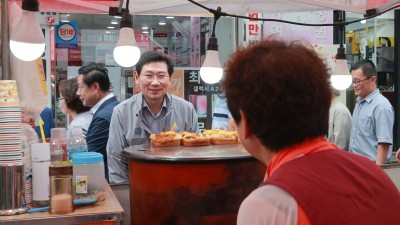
(127, 6)
(343, 23)
(126, 20)
(217, 15)
(341, 51)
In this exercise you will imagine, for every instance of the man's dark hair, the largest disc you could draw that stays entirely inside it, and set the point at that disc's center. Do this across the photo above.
(94, 73)
(68, 90)
(367, 67)
(284, 90)
(154, 56)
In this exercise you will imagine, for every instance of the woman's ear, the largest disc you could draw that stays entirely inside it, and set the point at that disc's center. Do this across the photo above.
(246, 127)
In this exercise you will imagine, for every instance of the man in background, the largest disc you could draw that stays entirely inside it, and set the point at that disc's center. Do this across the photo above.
(373, 116)
(151, 111)
(94, 91)
(339, 122)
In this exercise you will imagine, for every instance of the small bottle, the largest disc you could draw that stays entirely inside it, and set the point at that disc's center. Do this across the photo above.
(76, 142)
(61, 189)
(59, 138)
(40, 153)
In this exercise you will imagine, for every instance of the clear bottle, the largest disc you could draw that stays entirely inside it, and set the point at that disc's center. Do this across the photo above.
(76, 142)
(58, 138)
(61, 189)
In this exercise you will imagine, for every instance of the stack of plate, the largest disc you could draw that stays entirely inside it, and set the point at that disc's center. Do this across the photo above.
(10, 128)
(10, 123)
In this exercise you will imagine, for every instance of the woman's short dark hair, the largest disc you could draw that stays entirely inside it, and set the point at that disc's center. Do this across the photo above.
(283, 88)
(94, 73)
(68, 90)
(154, 56)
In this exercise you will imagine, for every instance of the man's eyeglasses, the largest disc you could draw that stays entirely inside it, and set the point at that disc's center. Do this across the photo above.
(357, 82)
(159, 77)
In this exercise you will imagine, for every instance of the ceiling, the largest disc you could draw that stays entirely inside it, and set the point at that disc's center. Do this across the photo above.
(184, 7)
(89, 12)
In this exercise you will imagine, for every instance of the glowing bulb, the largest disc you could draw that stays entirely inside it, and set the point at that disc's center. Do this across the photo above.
(211, 71)
(126, 52)
(27, 40)
(341, 78)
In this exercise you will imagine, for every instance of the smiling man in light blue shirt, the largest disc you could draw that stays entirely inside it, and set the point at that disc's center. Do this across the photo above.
(373, 117)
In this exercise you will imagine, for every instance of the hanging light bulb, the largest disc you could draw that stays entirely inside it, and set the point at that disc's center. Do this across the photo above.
(341, 78)
(211, 70)
(126, 52)
(27, 39)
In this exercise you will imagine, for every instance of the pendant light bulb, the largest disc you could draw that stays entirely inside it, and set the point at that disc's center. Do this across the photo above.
(341, 78)
(211, 71)
(27, 39)
(126, 52)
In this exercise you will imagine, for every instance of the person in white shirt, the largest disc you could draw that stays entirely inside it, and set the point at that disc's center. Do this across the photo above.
(339, 122)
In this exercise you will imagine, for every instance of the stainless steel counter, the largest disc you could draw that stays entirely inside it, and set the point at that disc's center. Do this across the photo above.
(187, 154)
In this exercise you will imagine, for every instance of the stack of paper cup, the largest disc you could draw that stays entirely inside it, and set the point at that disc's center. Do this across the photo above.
(8, 93)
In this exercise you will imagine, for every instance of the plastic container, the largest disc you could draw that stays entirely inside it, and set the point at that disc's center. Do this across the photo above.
(89, 176)
(40, 153)
(76, 142)
(61, 189)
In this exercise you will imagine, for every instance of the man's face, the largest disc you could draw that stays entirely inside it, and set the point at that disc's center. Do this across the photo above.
(154, 81)
(362, 85)
(86, 93)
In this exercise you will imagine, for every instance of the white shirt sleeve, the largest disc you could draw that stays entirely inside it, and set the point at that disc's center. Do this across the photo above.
(268, 205)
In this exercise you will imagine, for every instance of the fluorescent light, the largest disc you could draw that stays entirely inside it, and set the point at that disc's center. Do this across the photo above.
(145, 32)
(363, 21)
(170, 17)
(162, 23)
(110, 27)
(145, 28)
(114, 22)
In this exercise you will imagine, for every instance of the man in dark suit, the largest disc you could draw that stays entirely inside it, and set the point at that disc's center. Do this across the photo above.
(94, 91)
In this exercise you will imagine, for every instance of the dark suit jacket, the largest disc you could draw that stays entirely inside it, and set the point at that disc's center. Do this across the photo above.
(97, 135)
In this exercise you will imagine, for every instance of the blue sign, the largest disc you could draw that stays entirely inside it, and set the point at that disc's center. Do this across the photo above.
(67, 35)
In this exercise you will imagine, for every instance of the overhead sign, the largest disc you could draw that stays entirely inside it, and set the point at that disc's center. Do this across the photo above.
(67, 35)
(49, 18)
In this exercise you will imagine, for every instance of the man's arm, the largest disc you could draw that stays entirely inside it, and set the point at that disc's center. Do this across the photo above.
(384, 117)
(195, 121)
(117, 168)
(381, 155)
